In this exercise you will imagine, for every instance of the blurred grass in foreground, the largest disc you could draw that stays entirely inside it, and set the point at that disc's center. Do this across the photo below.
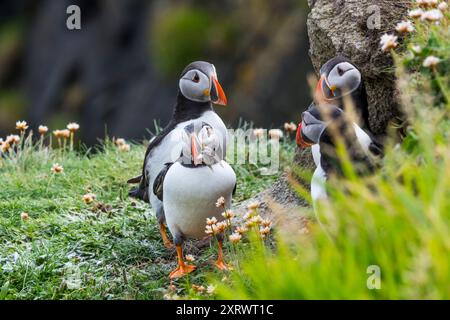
(397, 219)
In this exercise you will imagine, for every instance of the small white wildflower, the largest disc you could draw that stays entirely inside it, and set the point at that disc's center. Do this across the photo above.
(416, 49)
(275, 134)
(13, 139)
(190, 258)
(404, 27)
(264, 231)
(21, 125)
(258, 132)
(57, 168)
(443, 6)
(432, 15)
(120, 142)
(220, 202)
(388, 42)
(254, 205)
(241, 230)
(211, 221)
(228, 214)
(125, 147)
(235, 238)
(24, 216)
(89, 198)
(43, 129)
(72, 127)
(210, 289)
(416, 13)
(431, 62)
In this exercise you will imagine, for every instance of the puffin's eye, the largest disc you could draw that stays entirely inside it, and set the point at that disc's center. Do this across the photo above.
(196, 78)
(340, 71)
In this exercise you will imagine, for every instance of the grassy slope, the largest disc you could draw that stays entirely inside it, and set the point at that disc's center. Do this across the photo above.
(118, 253)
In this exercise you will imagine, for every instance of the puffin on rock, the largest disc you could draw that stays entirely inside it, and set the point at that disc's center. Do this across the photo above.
(190, 187)
(340, 79)
(322, 126)
(199, 88)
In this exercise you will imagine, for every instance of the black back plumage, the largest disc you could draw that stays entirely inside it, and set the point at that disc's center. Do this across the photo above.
(184, 110)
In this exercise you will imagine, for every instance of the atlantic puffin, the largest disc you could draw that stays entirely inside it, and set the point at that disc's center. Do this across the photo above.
(340, 78)
(199, 89)
(320, 126)
(190, 187)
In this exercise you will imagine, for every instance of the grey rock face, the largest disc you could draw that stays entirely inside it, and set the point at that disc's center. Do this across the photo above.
(349, 28)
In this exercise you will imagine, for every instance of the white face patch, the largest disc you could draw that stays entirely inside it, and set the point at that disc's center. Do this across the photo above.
(344, 78)
(196, 86)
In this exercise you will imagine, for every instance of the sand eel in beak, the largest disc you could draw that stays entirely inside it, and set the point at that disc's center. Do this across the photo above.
(322, 126)
(199, 89)
(190, 188)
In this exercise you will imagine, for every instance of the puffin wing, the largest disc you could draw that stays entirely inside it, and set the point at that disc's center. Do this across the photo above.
(141, 191)
(159, 181)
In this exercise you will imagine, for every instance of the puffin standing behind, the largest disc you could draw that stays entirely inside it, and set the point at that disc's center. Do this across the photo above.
(190, 187)
(321, 126)
(199, 88)
(340, 79)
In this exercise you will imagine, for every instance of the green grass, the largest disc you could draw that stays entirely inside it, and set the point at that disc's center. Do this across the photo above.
(398, 219)
(71, 250)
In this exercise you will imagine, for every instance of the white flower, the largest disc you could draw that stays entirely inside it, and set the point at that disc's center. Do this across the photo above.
(190, 258)
(24, 216)
(416, 49)
(388, 42)
(431, 62)
(57, 168)
(72, 127)
(120, 142)
(43, 129)
(275, 134)
(266, 223)
(432, 15)
(235, 238)
(405, 27)
(290, 127)
(264, 231)
(211, 221)
(210, 289)
(89, 198)
(253, 206)
(241, 230)
(416, 13)
(443, 6)
(13, 139)
(21, 125)
(258, 132)
(220, 202)
(228, 214)
(124, 147)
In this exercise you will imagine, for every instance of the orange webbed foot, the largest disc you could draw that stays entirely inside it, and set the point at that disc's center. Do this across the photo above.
(221, 265)
(181, 271)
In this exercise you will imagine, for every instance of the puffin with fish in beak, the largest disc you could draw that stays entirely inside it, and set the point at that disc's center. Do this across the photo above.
(190, 187)
(199, 89)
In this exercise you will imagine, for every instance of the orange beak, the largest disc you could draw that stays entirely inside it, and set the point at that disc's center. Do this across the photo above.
(221, 97)
(194, 151)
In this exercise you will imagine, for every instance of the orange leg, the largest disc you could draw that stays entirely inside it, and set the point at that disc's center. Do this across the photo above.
(182, 268)
(162, 230)
(219, 262)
